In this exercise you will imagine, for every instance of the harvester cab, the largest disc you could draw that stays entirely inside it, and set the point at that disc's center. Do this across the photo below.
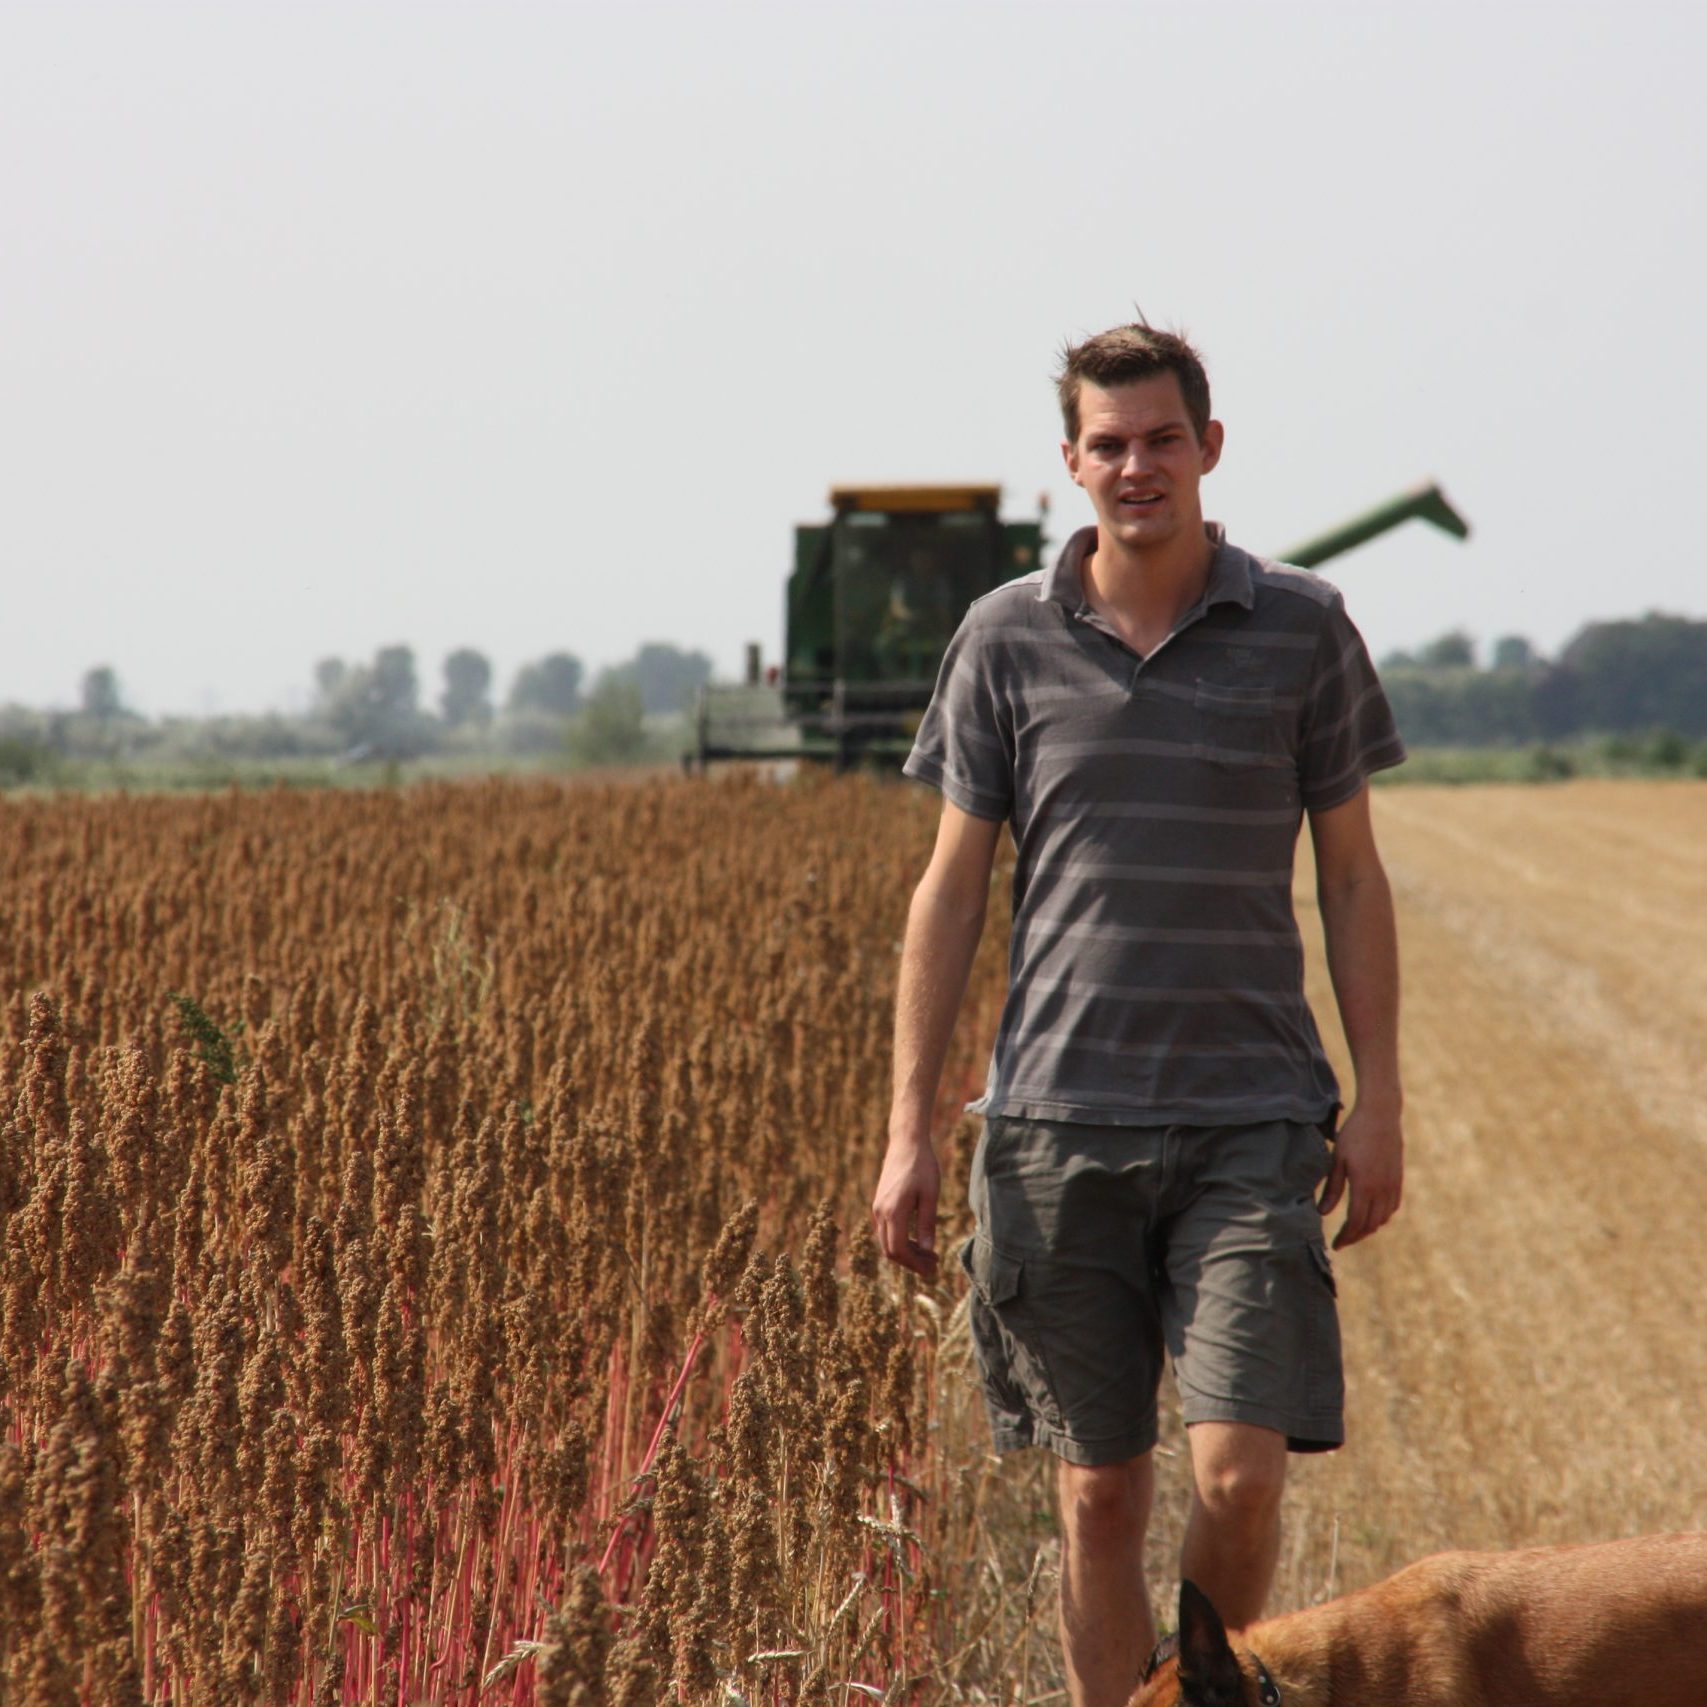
(879, 590)
(876, 594)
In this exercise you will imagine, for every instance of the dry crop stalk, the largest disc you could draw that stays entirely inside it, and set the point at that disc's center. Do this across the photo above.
(391, 1319)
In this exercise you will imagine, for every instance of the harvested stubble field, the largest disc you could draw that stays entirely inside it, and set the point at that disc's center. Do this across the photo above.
(435, 1267)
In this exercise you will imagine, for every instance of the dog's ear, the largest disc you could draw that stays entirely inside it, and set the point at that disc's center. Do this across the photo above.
(1166, 1649)
(1209, 1673)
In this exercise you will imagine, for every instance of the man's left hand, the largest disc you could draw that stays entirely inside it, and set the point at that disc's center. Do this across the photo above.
(1369, 1164)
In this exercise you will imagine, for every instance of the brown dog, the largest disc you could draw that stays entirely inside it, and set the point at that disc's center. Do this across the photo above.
(1620, 1624)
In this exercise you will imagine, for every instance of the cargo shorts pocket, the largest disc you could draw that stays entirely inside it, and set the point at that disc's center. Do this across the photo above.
(1016, 1384)
(994, 1274)
(1326, 1376)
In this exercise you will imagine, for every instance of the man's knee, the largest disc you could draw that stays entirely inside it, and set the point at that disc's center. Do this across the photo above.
(1106, 1503)
(1240, 1472)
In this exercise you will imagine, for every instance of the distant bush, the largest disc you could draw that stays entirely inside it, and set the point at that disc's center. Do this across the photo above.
(23, 761)
(197, 740)
(1666, 750)
(530, 733)
(611, 729)
(1548, 764)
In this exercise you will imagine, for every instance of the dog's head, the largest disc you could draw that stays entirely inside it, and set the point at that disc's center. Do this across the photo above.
(1199, 1667)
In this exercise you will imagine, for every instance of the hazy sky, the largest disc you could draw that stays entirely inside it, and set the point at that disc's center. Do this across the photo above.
(527, 327)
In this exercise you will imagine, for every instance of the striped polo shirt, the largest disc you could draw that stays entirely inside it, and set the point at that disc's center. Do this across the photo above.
(1155, 973)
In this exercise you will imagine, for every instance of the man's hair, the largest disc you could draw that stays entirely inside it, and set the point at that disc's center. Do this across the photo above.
(1123, 354)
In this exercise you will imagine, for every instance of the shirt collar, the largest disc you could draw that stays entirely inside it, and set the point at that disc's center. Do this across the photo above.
(1229, 573)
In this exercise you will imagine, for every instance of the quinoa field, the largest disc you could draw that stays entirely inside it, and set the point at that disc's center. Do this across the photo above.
(435, 1264)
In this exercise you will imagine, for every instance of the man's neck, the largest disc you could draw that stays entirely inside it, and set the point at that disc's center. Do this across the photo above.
(1144, 593)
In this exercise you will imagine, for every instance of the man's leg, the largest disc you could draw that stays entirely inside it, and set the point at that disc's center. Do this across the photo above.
(1107, 1632)
(1232, 1538)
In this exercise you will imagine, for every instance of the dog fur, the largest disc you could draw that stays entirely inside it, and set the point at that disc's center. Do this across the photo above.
(1615, 1624)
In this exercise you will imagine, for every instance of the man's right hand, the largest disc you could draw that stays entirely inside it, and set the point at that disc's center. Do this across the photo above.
(904, 1209)
(943, 926)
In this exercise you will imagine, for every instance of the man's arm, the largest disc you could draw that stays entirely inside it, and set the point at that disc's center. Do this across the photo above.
(1363, 961)
(943, 926)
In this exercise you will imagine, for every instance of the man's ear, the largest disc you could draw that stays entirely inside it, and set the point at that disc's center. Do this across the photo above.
(1208, 1672)
(1214, 437)
(1070, 456)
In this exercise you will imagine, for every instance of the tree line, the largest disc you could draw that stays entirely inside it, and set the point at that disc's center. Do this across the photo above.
(1645, 675)
(1642, 677)
(378, 704)
(377, 709)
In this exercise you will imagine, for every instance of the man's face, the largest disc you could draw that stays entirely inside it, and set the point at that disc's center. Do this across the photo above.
(1139, 460)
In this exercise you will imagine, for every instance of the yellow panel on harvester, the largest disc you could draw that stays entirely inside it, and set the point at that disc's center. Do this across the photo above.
(896, 499)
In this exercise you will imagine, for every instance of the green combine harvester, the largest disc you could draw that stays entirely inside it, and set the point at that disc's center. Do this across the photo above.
(876, 595)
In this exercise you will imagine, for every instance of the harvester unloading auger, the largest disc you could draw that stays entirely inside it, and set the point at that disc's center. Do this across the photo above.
(875, 597)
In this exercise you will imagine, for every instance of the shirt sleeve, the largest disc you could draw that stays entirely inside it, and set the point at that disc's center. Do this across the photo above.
(1349, 732)
(964, 746)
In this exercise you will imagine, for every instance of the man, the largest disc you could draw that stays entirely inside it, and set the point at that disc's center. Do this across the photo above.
(1153, 718)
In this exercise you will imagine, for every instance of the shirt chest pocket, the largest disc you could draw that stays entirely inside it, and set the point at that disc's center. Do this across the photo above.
(1237, 726)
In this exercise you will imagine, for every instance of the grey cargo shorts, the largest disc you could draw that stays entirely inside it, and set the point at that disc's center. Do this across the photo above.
(1099, 1246)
